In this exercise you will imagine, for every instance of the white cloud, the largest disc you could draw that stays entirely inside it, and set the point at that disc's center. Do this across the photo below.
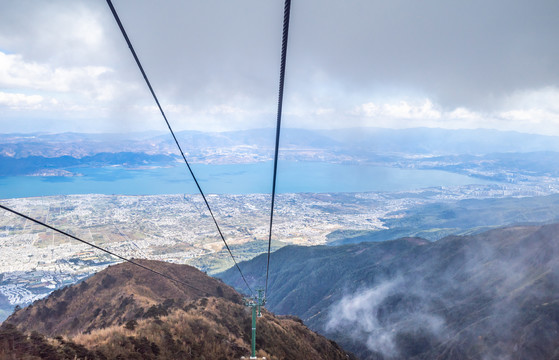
(323, 111)
(20, 101)
(542, 98)
(461, 113)
(89, 81)
(56, 32)
(356, 314)
(218, 117)
(531, 111)
(225, 109)
(402, 109)
(359, 316)
(532, 115)
(405, 110)
(533, 108)
(72, 51)
(369, 109)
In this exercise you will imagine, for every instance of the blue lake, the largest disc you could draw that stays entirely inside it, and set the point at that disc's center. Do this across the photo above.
(232, 179)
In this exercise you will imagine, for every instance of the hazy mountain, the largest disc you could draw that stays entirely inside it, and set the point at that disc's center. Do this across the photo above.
(365, 141)
(441, 141)
(489, 296)
(488, 154)
(464, 217)
(35, 165)
(262, 138)
(124, 312)
(504, 167)
(75, 145)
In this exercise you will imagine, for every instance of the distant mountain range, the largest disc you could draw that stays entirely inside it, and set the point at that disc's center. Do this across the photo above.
(494, 295)
(464, 217)
(125, 312)
(59, 166)
(423, 141)
(491, 154)
(433, 141)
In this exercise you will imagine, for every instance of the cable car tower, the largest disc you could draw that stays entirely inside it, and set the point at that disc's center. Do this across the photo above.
(255, 303)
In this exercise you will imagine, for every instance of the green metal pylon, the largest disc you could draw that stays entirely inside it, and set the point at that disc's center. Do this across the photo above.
(253, 339)
(255, 303)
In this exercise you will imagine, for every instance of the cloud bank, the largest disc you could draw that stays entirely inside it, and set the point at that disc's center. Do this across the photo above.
(215, 64)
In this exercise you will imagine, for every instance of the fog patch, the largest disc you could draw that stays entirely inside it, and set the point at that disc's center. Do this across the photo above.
(390, 319)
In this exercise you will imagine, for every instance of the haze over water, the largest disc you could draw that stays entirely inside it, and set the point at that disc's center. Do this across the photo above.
(293, 177)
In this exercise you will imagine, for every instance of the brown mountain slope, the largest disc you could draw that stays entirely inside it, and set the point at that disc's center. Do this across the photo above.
(215, 328)
(116, 295)
(124, 312)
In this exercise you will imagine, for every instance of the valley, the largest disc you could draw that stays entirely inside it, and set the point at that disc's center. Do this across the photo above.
(489, 295)
(433, 198)
(176, 228)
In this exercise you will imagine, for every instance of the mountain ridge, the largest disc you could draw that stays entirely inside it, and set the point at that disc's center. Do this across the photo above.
(426, 141)
(506, 157)
(131, 290)
(488, 295)
(126, 312)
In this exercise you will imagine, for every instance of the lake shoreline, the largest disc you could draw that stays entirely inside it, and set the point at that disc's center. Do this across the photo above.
(293, 177)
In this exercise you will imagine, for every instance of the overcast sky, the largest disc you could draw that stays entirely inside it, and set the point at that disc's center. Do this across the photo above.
(214, 64)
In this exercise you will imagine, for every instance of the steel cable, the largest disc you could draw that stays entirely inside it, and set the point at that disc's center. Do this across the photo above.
(113, 10)
(286, 15)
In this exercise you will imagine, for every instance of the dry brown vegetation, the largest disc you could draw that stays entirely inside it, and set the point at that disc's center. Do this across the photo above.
(120, 314)
(117, 295)
(211, 328)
